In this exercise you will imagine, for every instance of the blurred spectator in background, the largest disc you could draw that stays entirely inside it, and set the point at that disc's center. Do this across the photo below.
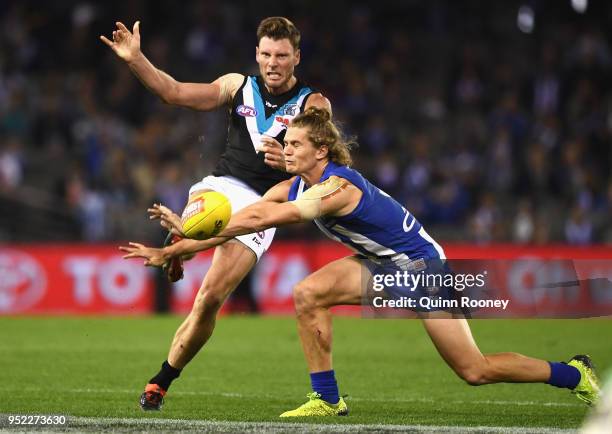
(578, 227)
(486, 221)
(11, 164)
(524, 223)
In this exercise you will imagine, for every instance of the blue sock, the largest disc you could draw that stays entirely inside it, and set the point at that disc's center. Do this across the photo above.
(562, 375)
(324, 383)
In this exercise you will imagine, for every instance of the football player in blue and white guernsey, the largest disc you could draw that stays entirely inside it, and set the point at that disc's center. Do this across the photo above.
(259, 108)
(349, 209)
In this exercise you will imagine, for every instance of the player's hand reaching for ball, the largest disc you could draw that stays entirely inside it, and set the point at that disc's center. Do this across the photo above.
(153, 257)
(125, 43)
(274, 156)
(167, 219)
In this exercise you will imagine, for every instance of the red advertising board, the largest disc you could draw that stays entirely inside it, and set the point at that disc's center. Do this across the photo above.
(94, 279)
(72, 279)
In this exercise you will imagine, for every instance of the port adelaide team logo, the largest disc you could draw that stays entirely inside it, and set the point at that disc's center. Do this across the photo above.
(246, 111)
(290, 110)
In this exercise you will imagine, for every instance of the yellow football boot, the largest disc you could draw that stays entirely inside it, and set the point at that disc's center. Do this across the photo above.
(315, 406)
(588, 388)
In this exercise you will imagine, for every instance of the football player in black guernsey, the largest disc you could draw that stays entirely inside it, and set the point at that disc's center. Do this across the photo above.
(260, 109)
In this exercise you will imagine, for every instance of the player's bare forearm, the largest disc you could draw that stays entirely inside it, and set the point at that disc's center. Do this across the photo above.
(261, 216)
(155, 80)
(157, 257)
(188, 246)
(257, 217)
(329, 198)
(197, 96)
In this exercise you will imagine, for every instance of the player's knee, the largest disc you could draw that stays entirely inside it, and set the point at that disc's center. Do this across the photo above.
(211, 296)
(304, 296)
(212, 300)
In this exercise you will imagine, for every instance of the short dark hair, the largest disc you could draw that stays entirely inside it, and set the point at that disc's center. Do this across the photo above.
(279, 28)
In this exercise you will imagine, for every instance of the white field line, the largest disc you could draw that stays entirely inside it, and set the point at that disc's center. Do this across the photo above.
(350, 398)
(85, 424)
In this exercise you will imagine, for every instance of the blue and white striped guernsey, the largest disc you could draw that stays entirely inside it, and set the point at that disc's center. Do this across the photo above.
(261, 125)
(379, 227)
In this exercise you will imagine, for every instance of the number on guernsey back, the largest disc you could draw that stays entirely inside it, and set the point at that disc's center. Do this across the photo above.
(405, 223)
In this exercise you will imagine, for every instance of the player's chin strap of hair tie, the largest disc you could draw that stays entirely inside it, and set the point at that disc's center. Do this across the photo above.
(309, 203)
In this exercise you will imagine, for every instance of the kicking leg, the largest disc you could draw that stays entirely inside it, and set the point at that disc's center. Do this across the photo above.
(231, 263)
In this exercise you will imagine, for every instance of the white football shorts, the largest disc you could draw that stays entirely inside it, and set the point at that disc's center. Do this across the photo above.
(240, 196)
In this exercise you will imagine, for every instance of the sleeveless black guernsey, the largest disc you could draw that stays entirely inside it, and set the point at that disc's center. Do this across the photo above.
(256, 113)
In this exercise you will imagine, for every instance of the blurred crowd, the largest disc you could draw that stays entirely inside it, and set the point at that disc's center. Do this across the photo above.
(487, 133)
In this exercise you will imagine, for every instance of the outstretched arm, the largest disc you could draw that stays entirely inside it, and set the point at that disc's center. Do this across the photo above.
(171, 221)
(245, 221)
(335, 196)
(257, 217)
(198, 96)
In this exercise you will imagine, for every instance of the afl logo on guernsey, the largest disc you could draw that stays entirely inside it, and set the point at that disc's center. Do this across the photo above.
(246, 111)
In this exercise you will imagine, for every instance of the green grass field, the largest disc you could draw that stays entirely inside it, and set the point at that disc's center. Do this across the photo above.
(253, 369)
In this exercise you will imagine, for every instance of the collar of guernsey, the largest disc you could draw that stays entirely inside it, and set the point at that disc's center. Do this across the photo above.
(266, 125)
(378, 227)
